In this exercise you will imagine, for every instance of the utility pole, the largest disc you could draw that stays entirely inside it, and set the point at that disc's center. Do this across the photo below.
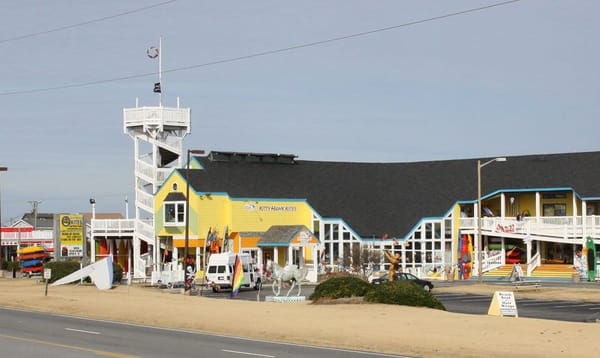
(35, 204)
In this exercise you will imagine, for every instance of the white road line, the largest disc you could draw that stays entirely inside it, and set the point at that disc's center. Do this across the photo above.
(81, 330)
(248, 353)
(576, 305)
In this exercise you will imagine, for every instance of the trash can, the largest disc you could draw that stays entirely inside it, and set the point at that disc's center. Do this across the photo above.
(576, 277)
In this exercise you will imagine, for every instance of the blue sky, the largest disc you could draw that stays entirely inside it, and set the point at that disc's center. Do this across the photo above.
(516, 79)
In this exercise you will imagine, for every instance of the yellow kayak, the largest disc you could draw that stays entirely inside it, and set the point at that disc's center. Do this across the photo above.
(30, 250)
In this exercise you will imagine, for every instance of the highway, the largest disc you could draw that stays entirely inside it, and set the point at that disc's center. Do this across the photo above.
(32, 334)
(559, 310)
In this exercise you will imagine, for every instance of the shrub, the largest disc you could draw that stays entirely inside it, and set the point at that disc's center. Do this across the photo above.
(61, 269)
(3, 264)
(13, 265)
(117, 273)
(402, 293)
(339, 287)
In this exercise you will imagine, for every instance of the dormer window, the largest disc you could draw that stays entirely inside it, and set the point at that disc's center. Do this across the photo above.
(174, 210)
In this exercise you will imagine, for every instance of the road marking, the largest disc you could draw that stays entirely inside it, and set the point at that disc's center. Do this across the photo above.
(248, 353)
(575, 305)
(67, 346)
(81, 330)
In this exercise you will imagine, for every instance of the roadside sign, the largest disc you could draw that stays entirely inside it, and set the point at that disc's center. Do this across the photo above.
(47, 273)
(503, 304)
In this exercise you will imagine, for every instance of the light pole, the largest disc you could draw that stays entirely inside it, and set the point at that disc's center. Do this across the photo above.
(2, 169)
(479, 221)
(187, 263)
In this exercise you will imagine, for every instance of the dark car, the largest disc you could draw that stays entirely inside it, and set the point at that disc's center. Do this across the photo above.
(403, 276)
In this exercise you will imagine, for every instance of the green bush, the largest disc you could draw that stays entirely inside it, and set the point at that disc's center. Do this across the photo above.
(61, 269)
(3, 264)
(339, 287)
(402, 293)
(117, 273)
(13, 265)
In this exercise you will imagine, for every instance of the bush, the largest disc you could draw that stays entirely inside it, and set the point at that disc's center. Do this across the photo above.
(117, 273)
(61, 269)
(340, 287)
(402, 293)
(3, 265)
(13, 265)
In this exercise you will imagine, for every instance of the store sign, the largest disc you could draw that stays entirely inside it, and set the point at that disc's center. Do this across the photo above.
(71, 235)
(503, 304)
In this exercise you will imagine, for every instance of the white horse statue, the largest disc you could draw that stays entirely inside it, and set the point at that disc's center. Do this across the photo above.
(289, 273)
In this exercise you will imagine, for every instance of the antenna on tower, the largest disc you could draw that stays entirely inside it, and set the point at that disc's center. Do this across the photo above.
(153, 52)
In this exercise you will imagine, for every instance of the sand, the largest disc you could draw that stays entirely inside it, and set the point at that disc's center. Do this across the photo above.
(373, 327)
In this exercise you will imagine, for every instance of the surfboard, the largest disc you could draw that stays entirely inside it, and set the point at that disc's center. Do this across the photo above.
(465, 257)
(591, 259)
(460, 268)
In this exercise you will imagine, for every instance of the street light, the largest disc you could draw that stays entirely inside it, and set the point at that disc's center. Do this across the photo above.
(479, 221)
(2, 169)
(187, 263)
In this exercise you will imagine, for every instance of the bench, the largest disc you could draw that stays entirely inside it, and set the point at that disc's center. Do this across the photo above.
(520, 285)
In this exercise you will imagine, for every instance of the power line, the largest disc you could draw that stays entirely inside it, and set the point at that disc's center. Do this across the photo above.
(260, 54)
(62, 28)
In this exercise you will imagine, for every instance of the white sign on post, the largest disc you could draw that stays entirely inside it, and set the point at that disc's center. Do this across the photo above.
(47, 274)
(503, 304)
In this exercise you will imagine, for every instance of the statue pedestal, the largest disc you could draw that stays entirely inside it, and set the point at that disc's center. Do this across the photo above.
(285, 299)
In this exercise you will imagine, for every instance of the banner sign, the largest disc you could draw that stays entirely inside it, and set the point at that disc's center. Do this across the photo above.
(71, 235)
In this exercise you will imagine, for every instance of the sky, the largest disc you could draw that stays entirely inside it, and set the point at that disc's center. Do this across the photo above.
(336, 80)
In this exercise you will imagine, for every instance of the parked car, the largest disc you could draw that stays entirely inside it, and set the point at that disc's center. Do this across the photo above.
(404, 276)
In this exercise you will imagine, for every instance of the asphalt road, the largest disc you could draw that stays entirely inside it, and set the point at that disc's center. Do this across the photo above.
(33, 334)
(559, 310)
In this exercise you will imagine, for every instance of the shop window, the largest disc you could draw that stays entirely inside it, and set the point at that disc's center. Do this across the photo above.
(174, 213)
(555, 209)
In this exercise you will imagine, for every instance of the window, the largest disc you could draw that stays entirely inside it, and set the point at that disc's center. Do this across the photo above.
(174, 214)
(555, 209)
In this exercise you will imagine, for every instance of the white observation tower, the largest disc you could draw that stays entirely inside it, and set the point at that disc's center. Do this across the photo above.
(157, 134)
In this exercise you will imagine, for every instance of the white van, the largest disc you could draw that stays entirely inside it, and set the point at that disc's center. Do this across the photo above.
(219, 273)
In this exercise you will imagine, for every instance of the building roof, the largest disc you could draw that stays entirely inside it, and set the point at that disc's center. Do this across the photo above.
(280, 235)
(391, 198)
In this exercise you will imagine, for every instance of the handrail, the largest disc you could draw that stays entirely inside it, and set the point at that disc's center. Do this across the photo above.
(535, 262)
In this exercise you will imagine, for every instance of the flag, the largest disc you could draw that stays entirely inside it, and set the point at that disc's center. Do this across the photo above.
(157, 87)
(238, 277)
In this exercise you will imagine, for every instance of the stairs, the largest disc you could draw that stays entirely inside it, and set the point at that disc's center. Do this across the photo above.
(547, 272)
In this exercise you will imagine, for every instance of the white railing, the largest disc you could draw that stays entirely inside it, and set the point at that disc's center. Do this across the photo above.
(30, 235)
(113, 225)
(145, 230)
(535, 262)
(492, 260)
(144, 170)
(156, 116)
(564, 227)
(145, 200)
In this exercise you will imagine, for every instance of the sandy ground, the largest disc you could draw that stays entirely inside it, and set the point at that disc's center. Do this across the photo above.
(383, 328)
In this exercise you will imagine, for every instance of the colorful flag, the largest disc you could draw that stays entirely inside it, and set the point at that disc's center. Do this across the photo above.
(238, 277)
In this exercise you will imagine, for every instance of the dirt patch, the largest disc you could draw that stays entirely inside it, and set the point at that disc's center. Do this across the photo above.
(373, 327)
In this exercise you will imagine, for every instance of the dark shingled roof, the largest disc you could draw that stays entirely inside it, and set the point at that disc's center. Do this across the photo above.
(280, 235)
(391, 198)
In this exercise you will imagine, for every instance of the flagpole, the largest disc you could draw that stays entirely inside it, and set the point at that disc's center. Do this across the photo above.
(160, 55)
